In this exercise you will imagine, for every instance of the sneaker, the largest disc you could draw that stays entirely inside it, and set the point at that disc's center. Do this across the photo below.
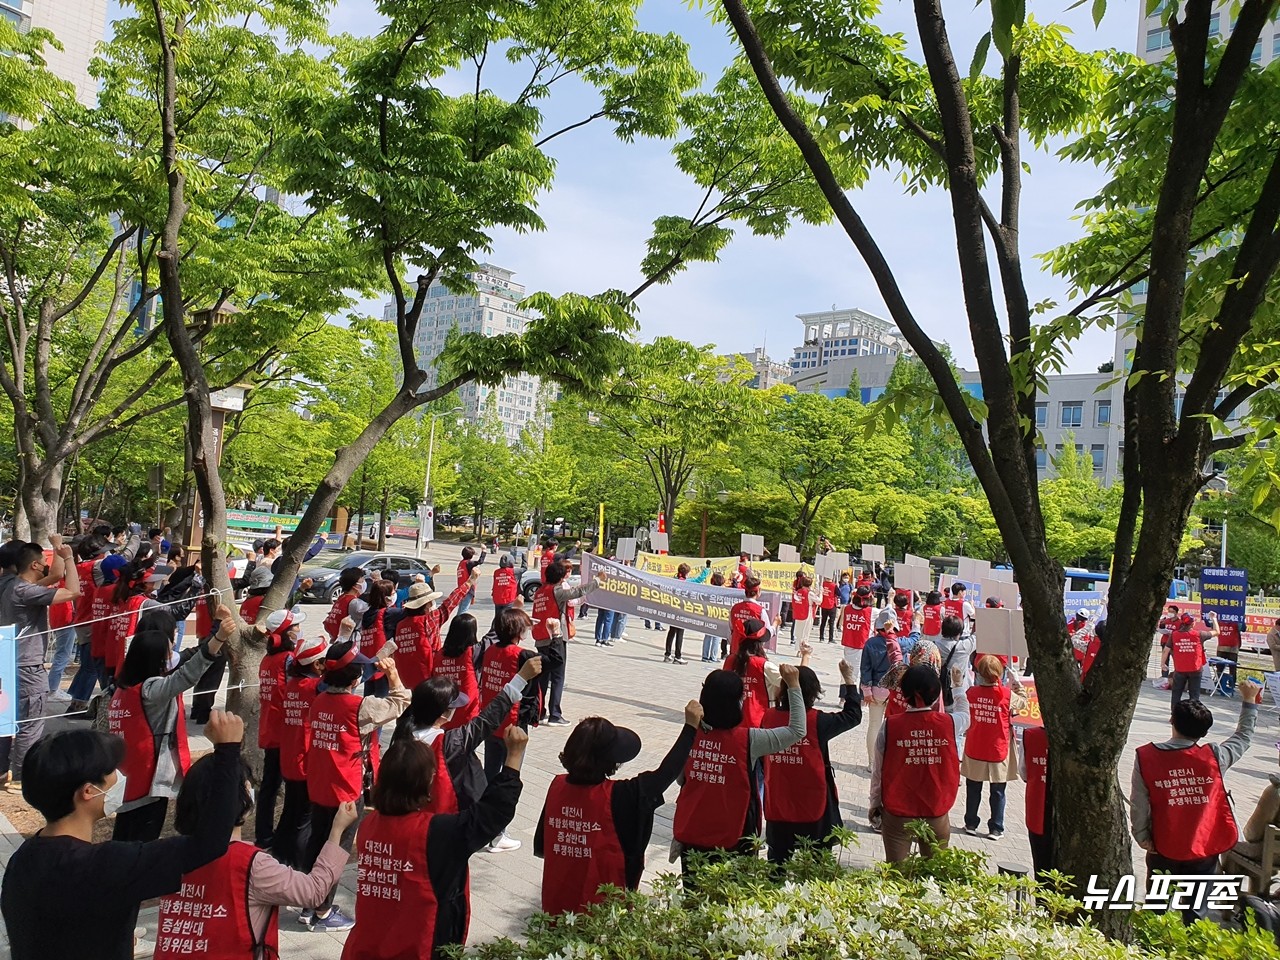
(607, 643)
(307, 917)
(77, 705)
(666, 658)
(679, 661)
(995, 834)
(502, 844)
(623, 637)
(59, 696)
(972, 831)
(334, 922)
(559, 722)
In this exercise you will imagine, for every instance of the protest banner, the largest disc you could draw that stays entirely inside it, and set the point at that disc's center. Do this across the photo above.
(1003, 574)
(1225, 591)
(678, 603)
(260, 520)
(8, 681)
(665, 565)
(1091, 600)
(1006, 593)
(973, 588)
(1029, 714)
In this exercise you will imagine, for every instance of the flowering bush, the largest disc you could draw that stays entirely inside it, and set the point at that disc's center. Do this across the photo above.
(817, 910)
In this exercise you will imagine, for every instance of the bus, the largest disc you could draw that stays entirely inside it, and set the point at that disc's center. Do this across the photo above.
(1097, 580)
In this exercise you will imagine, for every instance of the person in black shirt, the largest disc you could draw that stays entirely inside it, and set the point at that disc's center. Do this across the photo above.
(71, 778)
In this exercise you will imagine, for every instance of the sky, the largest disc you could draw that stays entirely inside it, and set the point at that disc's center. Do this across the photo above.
(599, 214)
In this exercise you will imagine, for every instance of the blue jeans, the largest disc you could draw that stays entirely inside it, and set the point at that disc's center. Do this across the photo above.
(465, 605)
(86, 677)
(604, 624)
(64, 645)
(182, 633)
(710, 645)
(973, 801)
(619, 625)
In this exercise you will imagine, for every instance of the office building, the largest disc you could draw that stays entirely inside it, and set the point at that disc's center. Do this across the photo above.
(768, 373)
(835, 334)
(492, 309)
(79, 25)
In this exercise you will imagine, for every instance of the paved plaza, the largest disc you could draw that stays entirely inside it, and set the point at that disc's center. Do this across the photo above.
(629, 684)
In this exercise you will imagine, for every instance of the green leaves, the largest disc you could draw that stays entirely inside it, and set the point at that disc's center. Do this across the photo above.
(1006, 17)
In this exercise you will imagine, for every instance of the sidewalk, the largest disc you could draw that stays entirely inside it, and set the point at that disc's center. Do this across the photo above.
(631, 685)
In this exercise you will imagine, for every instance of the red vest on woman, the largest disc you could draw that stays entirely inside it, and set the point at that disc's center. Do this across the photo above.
(414, 651)
(204, 618)
(295, 725)
(1035, 746)
(373, 637)
(800, 603)
(739, 614)
(920, 775)
(215, 900)
(932, 620)
(101, 627)
(755, 693)
(84, 605)
(828, 595)
(497, 668)
(462, 671)
(271, 696)
(580, 846)
(249, 609)
(545, 608)
(444, 796)
(906, 620)
(1188, 651)
(395, 903)
(1190, 815)
(1086, 656)
(795, 780)
(544, 562)
(989, 724)
(855, 630)
(120, 629)
(126, 718)
(896, 705)
(337, 613)
(335, 756)
(711, 810)
(505, 586)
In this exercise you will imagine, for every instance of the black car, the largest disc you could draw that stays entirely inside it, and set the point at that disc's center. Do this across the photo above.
(325, 589)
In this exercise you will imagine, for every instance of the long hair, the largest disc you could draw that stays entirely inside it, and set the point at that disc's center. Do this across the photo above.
(462, 635)
(129, 582)
(746, 650)
(148, 657)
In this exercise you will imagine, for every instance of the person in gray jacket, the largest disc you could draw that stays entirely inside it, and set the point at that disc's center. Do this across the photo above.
(146, 669)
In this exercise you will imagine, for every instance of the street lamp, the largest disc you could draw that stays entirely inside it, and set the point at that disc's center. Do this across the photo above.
(426, 484)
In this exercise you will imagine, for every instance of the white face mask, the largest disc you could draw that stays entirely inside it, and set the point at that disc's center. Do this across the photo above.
(527, 636)
(114, 795)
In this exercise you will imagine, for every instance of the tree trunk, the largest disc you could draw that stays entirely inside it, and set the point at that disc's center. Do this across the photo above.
(41, 500)
(382, 519)
(364, 477)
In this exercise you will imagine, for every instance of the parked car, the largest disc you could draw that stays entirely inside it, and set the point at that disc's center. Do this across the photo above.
(531, 580)
(324, 587)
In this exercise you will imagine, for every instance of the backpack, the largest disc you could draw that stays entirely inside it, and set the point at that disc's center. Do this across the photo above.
(948, 698)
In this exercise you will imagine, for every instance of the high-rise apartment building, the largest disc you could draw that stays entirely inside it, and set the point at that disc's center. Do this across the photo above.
(1154, 43)
(493, 309)
(79, 25)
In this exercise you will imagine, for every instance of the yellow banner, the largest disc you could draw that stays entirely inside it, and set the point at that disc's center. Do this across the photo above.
(775, 576)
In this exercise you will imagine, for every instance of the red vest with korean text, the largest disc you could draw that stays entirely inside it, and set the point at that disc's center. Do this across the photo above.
(337, 613)
(711, 810)
(249, 609)
(444, 797)
(544, 562)
(1190, 815)
(739, 614)
(989, 724)
(335, 756)
(1088, 655)
(500, 664)
(580, 847)
(504, 586)
(295, 725)
(126, 718)
(414, 650)
(1228, 635)
(544, 608)
(906, 620)
(395, 902)
(121, 628)
(896, 705)
(800, 603)
(209, 915)
(855, 630)
(1035, 745)
(932, 620)
(828, 595)
(271, 694)
(373, 636)
(1188, 651)
(84, 605)
(755, 695)
(795, 780)
(953, 607)
(921, 770)
(101, 627)
(462, 671)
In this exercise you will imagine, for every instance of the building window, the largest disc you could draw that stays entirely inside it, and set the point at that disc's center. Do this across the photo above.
(1215, 24)
(1042, 458)
(1158, 39)
(1042, 414)
(1099, 454)
(1072, 413)
(1102, 413)
(1256, 56)
(1275, 46)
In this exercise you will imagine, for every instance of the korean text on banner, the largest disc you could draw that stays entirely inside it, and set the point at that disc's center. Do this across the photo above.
(1029, 715)
(1225, 591)
(8, 681)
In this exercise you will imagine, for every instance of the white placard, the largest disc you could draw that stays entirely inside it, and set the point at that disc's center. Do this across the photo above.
(971, 571)
(1006, 593)
(1000, 631)
(787, 553)
(872, 552)
(658, 542)
(822, 566)
(752, 544)
(1003, 574)
(627, 549)
(913, 561)
(909, 577)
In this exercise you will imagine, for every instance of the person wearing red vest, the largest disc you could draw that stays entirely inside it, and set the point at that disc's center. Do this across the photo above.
(1187, 645)
(744, 569)
(760, 677)
(988, 753)
(741, 612)
(931, 614)
(342, 756)
(593, 830)
(282, 632)
(259, 583)
(506, 584)
(718, 808)
(1033, 767)
(547, 557)
(800, 798)
(1228, 645)
(1164, 628)
(905, 613)
(1178, 806)
(1087, 647)
(855, 628)
(417, 635)
(470, 564)
(552, 626)
(63, 636)
(301, 685)
(922, 652)
(457, 663)
(146, 710)
(92, 551)
(422, 903)
(802, 612)
(351, 583)
(134, 590)
(915, 766)
(827, 612)
(66, 895)
(229, 909)
(958, 606)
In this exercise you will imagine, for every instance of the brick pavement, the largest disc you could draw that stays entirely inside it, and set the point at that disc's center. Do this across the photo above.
(631, 685)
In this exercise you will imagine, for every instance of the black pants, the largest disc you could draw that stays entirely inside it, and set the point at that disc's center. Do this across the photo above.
(676, 635)
(827, 625)
(1041, 852)
(552, 678)
(1190, 682)
(207, 689)
(268, 790)
(783, 838)
(495, 756)
(1202, 868)
(289, 842)
(321, 823)
(143, 823)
